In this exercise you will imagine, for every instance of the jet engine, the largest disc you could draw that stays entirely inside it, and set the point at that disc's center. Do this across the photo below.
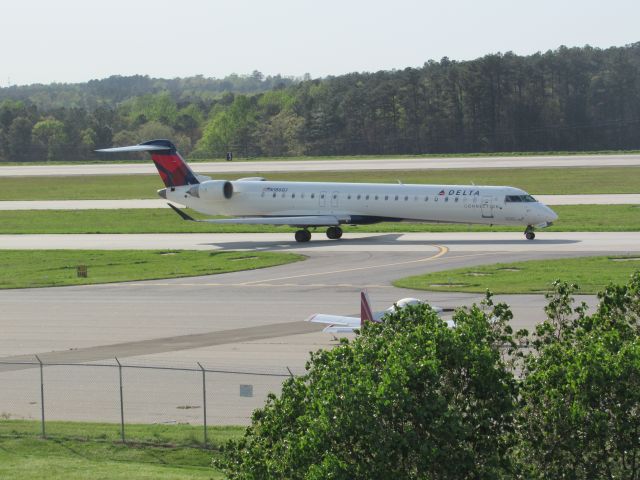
(212, 190)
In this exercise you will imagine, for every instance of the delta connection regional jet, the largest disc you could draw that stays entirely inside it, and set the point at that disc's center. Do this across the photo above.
(320, 204)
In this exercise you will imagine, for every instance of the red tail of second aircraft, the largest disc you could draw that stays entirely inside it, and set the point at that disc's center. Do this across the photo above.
(366, 315)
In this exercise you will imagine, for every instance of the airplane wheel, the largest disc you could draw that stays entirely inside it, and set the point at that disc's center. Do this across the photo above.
(331, 233)
(334, 233)
(303, 236)
(530, 235)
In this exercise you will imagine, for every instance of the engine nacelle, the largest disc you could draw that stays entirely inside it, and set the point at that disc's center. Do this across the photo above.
(212, 190)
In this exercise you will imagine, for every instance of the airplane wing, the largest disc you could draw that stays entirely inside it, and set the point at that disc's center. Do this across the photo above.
(302, 221)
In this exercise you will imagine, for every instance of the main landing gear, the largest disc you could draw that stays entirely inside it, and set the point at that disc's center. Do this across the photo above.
(334, 233)
(528, 233)
(303, 235)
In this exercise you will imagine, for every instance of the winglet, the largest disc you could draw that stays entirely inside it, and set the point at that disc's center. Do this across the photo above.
(181, 213)
(366, 314)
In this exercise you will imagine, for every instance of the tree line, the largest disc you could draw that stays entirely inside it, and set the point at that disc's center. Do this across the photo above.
(570, 99)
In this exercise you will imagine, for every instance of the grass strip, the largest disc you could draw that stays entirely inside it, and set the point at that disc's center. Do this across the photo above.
(591, 274)
(167, 435)
(572, 218)
(93, 451)
(47, 268)
(547, 181)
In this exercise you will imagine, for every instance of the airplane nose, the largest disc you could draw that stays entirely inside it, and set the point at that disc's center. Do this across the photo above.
(550, 215)
(163, 193)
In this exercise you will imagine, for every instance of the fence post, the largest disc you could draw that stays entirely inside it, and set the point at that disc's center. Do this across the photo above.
(204, 402)
(44, 433)
(121, 401)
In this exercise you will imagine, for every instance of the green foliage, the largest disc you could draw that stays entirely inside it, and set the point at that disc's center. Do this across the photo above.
(282, 135)
(159, 107)
(402, 400)
(412, 398)
(49, 136)
(570, 99)
(579, 416)
(229, 128)
(18, 140)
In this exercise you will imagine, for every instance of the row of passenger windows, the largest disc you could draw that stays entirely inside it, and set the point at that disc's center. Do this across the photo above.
(371, 197)
(507, 199)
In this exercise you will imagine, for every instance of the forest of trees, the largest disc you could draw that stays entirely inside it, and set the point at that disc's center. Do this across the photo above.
(570, 99)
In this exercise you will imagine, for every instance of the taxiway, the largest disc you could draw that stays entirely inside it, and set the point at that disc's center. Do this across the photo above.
(251, 321)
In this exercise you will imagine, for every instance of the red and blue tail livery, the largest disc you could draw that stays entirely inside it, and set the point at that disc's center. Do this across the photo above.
(172, 168)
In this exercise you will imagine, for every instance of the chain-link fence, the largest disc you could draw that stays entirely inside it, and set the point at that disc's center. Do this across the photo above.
(117, 393)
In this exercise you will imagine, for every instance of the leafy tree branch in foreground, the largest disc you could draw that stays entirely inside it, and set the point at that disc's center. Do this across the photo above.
(411, 398)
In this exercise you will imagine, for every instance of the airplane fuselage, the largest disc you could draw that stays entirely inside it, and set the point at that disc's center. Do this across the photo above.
(364, 203)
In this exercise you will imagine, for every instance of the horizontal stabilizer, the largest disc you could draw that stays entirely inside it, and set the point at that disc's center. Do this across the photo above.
(182, 213)
(135, 148)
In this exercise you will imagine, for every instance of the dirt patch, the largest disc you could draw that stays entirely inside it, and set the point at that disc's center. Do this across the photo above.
(439, 285)
(510, 269)
(625, 259)
(478, 274)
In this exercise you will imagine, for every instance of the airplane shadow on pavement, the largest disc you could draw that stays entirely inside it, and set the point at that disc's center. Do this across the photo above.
(374, 239)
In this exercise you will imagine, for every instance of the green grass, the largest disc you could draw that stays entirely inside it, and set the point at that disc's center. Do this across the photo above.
(592, 274)
(572, 218)
(238, 159)
(586, 180)
(46, 268)
(77, 450)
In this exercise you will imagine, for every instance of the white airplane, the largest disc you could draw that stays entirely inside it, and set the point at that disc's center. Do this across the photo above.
(341, 324)
(322, 204)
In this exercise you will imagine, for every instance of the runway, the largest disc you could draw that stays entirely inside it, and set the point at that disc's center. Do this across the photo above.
(251, 321)
(221, 168)
(603, 199)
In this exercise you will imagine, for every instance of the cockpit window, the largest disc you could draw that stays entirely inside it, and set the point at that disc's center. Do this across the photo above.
(519, 198)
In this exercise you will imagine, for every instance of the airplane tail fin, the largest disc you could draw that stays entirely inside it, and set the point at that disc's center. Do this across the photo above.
(172, 168)
(366, 314)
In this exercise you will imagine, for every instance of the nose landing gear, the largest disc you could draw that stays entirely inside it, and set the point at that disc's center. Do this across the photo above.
(334, 233)
(528, 233)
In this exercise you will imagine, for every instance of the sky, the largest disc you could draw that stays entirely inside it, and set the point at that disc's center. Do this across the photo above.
(45, 41)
